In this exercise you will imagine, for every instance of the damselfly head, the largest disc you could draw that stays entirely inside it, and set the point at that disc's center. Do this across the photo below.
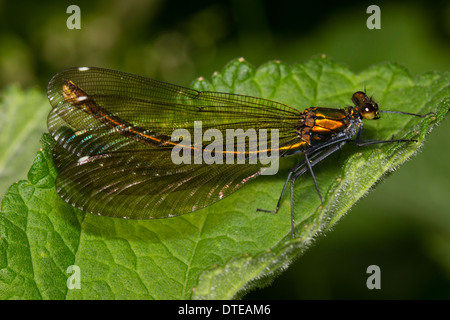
(367, 108)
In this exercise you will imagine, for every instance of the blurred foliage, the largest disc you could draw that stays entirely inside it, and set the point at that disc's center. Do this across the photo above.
(22, 121)
(177, 41)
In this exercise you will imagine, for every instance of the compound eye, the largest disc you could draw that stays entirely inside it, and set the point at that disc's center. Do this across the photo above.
(368, 111)
(359, 98)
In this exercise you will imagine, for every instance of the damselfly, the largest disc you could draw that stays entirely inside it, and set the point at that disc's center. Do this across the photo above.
(115, 142)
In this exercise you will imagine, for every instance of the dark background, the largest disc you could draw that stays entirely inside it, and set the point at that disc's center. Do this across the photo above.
(403, 226)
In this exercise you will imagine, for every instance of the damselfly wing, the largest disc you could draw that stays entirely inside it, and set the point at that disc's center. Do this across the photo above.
(113, 146)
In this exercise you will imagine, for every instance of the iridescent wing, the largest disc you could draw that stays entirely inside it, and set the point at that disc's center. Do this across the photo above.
(113, 149)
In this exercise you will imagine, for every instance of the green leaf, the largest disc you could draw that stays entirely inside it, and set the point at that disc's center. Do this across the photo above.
(222, 251)
(22, 121)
